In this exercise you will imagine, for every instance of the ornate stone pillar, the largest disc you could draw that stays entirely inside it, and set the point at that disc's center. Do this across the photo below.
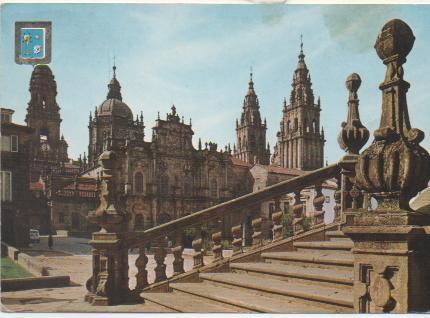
(109, 282)
(392, 243)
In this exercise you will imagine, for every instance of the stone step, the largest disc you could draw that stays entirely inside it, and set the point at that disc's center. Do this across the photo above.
(181, 302)
(246, 299)
(338, 246)
(338, 298)
(322, 259)
(296, 273)
(337, 236)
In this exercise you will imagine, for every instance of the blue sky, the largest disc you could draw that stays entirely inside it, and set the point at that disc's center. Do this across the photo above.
(198, 57)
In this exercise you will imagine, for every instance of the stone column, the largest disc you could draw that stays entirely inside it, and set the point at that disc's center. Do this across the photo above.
(392, 243)
(109, 283)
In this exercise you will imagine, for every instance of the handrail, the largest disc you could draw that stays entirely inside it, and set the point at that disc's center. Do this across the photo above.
(135, 239)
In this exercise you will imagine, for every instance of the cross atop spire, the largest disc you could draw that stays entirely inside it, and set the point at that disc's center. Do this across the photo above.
(301, 55)
(114, 67)
(114, 86)
(251, 83)
(301, 42)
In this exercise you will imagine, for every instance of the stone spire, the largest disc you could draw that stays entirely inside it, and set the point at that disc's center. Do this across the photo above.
(250, 130)
(300, 141)
(302, 86)
(114, 87)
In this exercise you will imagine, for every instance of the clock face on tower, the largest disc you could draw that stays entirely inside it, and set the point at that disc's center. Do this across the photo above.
(45, 147)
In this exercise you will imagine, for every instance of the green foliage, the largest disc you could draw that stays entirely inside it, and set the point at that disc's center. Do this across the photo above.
(287, 223)
(226, 244)
(307, 222)
(10, 269)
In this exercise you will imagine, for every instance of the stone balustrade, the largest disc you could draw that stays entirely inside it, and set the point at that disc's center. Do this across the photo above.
(110, 259)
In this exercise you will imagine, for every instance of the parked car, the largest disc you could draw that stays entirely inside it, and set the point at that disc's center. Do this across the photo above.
(34, 236)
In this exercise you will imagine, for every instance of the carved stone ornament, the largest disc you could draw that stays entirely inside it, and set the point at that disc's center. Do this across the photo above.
(110, 214)
(353, 135)
(394, 167)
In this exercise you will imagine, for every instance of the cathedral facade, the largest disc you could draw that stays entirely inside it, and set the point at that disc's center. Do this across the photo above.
(167, 177)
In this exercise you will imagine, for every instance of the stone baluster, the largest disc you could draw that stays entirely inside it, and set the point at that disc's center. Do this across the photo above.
(277, 220)
(318, 217)
(198, 253)
(237, 239)
(357, 198)
(337, 199)
(257, 234)
(298, 214)
(178, 261)
(142, 273)
(92, 281)
(217, 246)
(160, 268)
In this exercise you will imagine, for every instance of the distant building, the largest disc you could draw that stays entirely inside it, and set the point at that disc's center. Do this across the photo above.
(16, 198)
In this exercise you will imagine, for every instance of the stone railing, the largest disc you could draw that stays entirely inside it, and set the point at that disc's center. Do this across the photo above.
(109, 283)
(72, 193)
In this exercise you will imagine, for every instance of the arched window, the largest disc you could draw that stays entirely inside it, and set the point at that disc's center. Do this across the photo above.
(188, 181)
(307, 129)
(214, 188)
(43, 134)
(296, 124)
(314, 126)
(138, 183)
(271, 210)
(139, 222)
(163, 218)
(239, 143)
(289, 128)
(164, 185)
(252, 141)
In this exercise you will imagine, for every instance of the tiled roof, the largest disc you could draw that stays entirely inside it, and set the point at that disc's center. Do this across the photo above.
(36, 186)
(238, 162)
(288, 171)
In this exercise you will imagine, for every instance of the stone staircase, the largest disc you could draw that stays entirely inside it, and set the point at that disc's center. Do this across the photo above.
(316, 277)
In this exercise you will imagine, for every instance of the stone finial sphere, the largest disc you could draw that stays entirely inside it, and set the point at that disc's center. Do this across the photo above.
(395, 39)
(353, 82)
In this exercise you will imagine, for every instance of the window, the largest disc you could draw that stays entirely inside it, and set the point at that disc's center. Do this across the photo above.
(5, 143)
(138, 222)
(6, 186)
(138, 183)
(61, 218)
(271, 210)
(164, 185)
(5, 118)
(14, 143)
(214, 188)
(43, 134)
(314, 126)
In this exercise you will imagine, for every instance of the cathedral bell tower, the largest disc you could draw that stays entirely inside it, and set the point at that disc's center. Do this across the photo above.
(43, 115)
(251, 132)
(301, 141)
